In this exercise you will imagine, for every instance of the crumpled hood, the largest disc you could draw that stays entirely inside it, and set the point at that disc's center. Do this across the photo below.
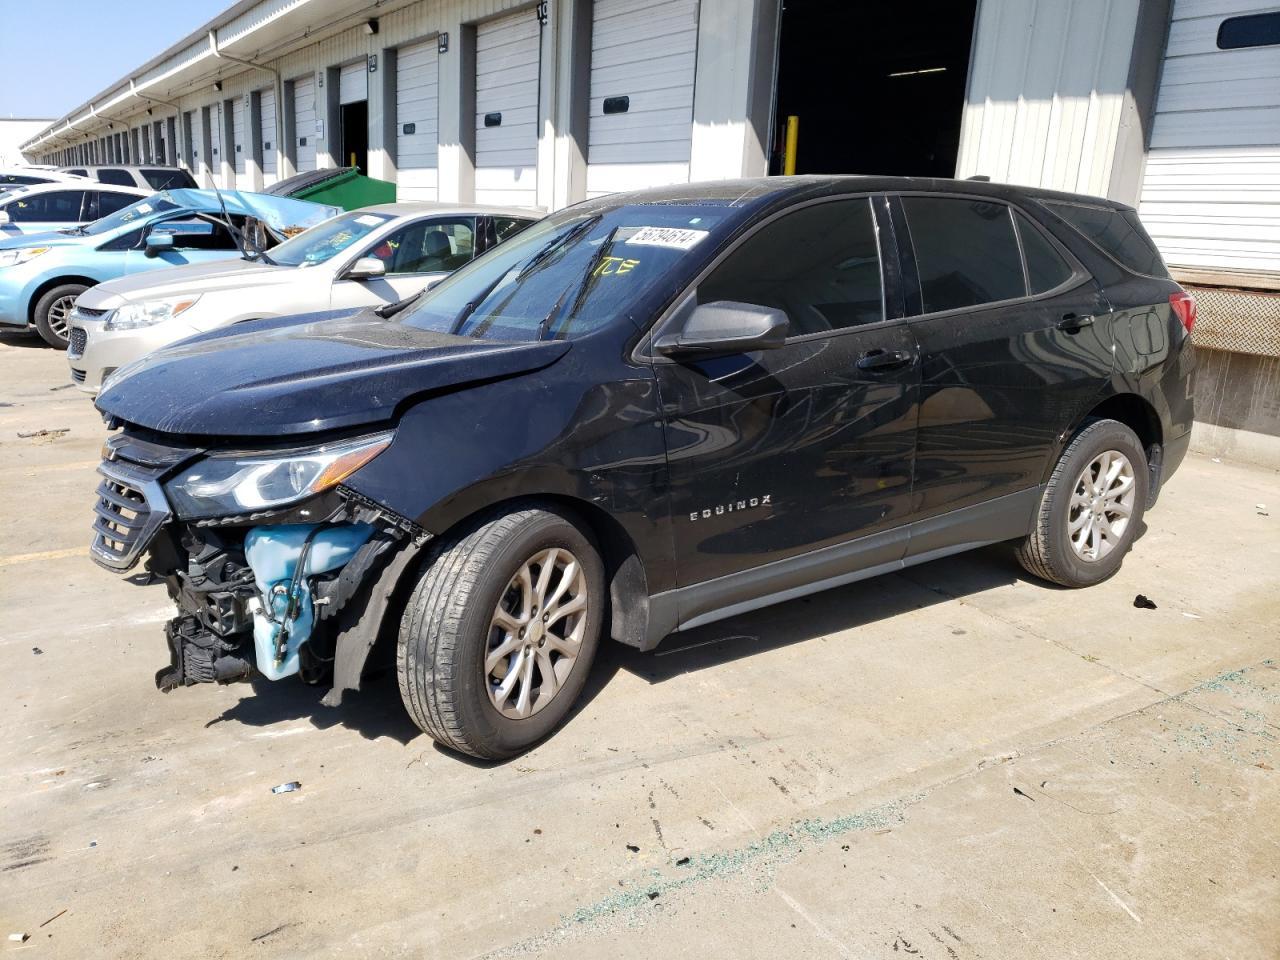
(288, 376)
(189, 279)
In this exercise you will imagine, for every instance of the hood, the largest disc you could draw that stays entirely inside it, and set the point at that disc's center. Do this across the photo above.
(284, 216)
(192, 278)
(288, 376)
(9, 241)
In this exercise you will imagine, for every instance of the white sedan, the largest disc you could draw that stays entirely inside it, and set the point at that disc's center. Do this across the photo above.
(364, 258)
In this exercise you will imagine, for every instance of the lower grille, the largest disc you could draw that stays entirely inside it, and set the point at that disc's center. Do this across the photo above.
(129, 510)
(78, 375)
(79, 339)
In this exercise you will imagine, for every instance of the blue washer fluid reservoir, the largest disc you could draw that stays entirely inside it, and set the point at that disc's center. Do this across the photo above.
(272, 553)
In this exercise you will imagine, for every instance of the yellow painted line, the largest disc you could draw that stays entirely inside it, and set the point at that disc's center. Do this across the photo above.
(43, 555)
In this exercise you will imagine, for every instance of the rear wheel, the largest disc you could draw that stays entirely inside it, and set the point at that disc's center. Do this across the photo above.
(53, 313)
(499, 634)
(1091, 508)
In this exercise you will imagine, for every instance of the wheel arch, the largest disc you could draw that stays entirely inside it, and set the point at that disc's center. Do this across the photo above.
(1138, 414)
(48, 285)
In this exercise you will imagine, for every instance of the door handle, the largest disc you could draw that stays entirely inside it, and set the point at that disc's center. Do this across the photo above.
(879, 359)
(1071, 323)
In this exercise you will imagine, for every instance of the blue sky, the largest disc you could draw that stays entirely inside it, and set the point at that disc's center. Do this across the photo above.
(56, 54)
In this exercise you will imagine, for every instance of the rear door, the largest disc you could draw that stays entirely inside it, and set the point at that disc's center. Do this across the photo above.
(1014, 343)
(415, 256)
(782, 452)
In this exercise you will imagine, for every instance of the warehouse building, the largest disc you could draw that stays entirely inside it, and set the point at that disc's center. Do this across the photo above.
(1171, 105)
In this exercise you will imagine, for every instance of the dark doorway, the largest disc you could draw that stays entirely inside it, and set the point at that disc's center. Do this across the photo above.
(355, 135)
(878, 87)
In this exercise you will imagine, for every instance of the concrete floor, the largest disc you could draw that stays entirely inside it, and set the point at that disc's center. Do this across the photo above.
(955, 762)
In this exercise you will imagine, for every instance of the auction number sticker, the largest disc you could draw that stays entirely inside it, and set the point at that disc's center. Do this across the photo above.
(677, 238)
(368, 220)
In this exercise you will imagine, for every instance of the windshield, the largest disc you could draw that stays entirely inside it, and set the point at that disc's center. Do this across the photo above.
(134, 213)
(571, 273)
(326, 240)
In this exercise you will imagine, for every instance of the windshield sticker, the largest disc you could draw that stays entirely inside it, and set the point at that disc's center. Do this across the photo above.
(368, 220)
(144, 208)
(675, 238)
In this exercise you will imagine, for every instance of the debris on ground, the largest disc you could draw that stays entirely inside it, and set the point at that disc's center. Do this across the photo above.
(1216, 459)
(653, 894)
(683, 861)
(1023, 793)
(50, 434)
(55, 916)
(1143, 603)
(19, 937)
(289, 787)
(62, 386)
(37, 651)
(1192, 616)
(633, 848)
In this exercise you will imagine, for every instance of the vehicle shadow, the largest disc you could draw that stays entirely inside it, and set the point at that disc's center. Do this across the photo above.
(376, 711)
(22, 338)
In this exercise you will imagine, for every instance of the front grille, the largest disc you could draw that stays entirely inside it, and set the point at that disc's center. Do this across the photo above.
(129, 510)
(78, 375)
(79, 339)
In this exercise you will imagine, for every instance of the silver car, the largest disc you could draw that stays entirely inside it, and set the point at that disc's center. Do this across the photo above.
(364, 258)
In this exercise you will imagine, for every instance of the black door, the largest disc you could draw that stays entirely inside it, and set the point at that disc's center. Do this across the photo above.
(1014, 343)
(781, 452)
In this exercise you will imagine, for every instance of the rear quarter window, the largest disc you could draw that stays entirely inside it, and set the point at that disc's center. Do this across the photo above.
(168, 179)
(1117, 233)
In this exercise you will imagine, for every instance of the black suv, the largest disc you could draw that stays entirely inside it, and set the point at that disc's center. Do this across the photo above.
(645, 413)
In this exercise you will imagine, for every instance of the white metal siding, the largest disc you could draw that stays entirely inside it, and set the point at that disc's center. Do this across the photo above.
(270, 143)
(1046, 92)
(304, 123)
(645, 50)
(418, 103)
(353, 82)
(507, 54)
(241, 145)
(1211, 190)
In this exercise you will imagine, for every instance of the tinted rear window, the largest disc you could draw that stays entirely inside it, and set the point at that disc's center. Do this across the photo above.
(1045, 267)
(168, 179)
(1118, 233)
(121, 178)
(966, 252)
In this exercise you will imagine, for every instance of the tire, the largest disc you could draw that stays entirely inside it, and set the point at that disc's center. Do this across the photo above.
(52, 310)
(450, 632)
(1073, 522)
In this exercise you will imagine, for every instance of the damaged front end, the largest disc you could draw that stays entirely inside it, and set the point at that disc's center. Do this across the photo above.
(269, 559)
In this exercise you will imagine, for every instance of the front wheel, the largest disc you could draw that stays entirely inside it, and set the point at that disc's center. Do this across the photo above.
(53, 313)
(1091, 508)
(499, 634)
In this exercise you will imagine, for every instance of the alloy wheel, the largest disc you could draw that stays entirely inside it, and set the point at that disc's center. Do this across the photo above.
(60, 316)
(536, 633)
(1101, 505)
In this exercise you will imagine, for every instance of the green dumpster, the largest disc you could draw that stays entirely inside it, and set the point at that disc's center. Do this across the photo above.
(344, 187)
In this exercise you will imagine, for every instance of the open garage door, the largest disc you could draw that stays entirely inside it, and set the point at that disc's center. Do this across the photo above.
(267, 118)
(304, 123)
(238, 135)
(353, 114)
(417, 121)
(643, 57)
(507, 68)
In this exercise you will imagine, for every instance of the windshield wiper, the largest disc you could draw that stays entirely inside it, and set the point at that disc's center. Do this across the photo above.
(569, 235)
(583, 285)
(391, 309)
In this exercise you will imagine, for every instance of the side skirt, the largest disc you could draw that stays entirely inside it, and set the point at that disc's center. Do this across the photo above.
(1004, 518)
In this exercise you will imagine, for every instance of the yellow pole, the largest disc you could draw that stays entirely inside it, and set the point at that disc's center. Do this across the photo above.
(789, 157)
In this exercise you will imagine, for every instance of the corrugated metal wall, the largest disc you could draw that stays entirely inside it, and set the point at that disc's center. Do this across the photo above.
(1046, 92)
(1211, 191)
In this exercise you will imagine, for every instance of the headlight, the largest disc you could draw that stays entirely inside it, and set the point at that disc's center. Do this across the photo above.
(146, 312)
(10, 258)
(245, 483)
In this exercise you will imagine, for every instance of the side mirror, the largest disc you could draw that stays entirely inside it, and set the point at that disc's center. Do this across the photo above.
(158, 243)
(725, 327)
(366, 268)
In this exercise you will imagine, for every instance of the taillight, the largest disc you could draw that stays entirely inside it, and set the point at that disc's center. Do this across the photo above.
(1184, 306)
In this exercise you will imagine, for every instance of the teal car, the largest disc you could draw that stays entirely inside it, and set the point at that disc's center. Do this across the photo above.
(42, 274)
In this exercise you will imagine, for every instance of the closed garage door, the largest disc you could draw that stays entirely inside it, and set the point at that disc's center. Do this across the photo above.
(353, 82)
(417, 121)
(304, 123)
(507, 53)
(215, 142)
(1211, 189)
(238, 134)
(267, 113)
(643, 56)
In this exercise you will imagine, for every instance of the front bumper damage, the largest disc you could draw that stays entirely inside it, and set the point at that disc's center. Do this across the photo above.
(272, 594)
